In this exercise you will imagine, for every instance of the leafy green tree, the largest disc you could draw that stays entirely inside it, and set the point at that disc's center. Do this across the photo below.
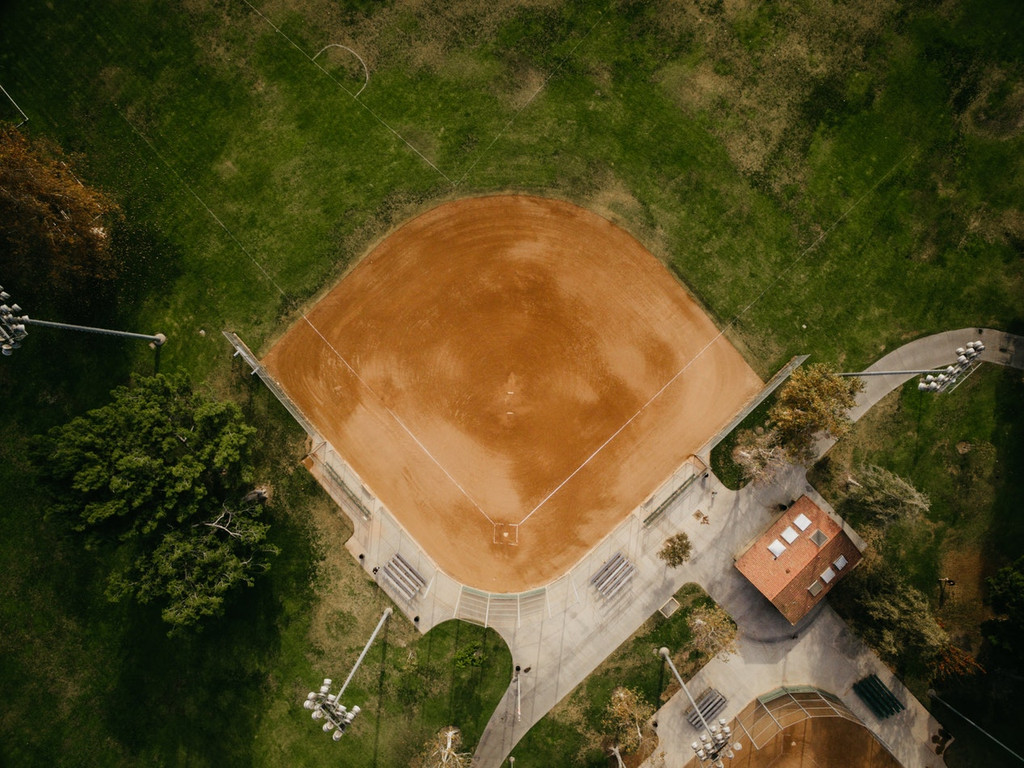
(813, 400)
(892, 616)
(676, 549)
(1006, 596)
(159, 474)
(885, 497)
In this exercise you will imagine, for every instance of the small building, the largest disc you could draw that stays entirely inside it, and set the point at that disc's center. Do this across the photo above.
(799, 559)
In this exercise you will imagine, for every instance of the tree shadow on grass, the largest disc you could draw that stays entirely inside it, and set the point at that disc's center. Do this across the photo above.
(201, 696)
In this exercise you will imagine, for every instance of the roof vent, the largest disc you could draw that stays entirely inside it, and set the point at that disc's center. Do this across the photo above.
(790, 535)
(827, 575)
(819, 538)
(815, 588)
(802, 521)
(776, 548)
(840, 563)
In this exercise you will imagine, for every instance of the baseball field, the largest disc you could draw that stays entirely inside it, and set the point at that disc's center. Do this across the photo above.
(511, 376)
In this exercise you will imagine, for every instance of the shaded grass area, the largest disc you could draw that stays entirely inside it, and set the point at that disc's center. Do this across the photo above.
(965, 450)
(574, 729)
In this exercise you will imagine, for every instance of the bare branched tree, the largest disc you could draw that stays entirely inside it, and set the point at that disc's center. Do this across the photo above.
(627, 717)
(713, 631)
(442, 751)
(759, 453)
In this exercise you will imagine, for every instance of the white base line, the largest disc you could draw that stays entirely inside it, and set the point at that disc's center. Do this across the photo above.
(306, 319)
(721, 333)
(16, 107)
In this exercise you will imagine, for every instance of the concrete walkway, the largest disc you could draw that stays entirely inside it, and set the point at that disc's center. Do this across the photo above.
(578, 630)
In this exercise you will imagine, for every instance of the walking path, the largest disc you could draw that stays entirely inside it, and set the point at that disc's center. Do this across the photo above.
(579, 631)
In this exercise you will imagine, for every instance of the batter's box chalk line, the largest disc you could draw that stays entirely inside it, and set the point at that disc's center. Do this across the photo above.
(506, 533)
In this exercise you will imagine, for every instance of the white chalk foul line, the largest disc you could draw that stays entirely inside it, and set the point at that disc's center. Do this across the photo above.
(341, 85)
(302, 314)
(800, 257)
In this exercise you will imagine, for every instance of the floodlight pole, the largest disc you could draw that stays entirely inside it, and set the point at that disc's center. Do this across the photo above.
(13, 322)
(966, 360)
(156, 338)
(715, 742)
(327, 706)
(385, 617)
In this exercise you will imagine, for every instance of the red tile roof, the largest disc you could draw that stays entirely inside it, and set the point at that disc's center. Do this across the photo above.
(786, 579)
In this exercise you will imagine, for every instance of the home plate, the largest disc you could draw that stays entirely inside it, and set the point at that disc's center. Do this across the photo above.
(506, 533)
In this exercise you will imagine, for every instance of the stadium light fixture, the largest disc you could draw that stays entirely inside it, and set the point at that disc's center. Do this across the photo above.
(713, 744)
(13, 331)
(327, 706)
(945, 379)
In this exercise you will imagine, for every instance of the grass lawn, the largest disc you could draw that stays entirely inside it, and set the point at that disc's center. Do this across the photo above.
(831, 179)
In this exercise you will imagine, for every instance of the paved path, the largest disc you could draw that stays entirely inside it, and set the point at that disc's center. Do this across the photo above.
(579, 631)
(936, 351)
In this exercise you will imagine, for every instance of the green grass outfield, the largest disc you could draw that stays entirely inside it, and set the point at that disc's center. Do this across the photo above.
(832, 179)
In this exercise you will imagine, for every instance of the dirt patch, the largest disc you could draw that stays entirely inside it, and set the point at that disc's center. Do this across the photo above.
(997, 112)
(511, 360)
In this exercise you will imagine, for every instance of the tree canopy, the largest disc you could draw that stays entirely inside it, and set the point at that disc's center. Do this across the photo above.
(676, 550)
(813, 400)
(884, 497)
(54, 241)
(160, 474)
(627, 718)
(891, 615)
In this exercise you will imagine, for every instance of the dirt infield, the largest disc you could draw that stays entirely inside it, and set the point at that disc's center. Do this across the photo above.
(514, 370)
(827, 742)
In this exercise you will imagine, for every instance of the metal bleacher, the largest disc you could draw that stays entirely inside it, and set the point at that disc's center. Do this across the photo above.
(878, 697)
(709, 705)
(613, 576)
(403, 577)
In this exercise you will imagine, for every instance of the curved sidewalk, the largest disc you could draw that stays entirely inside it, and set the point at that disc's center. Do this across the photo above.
(930, 352)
